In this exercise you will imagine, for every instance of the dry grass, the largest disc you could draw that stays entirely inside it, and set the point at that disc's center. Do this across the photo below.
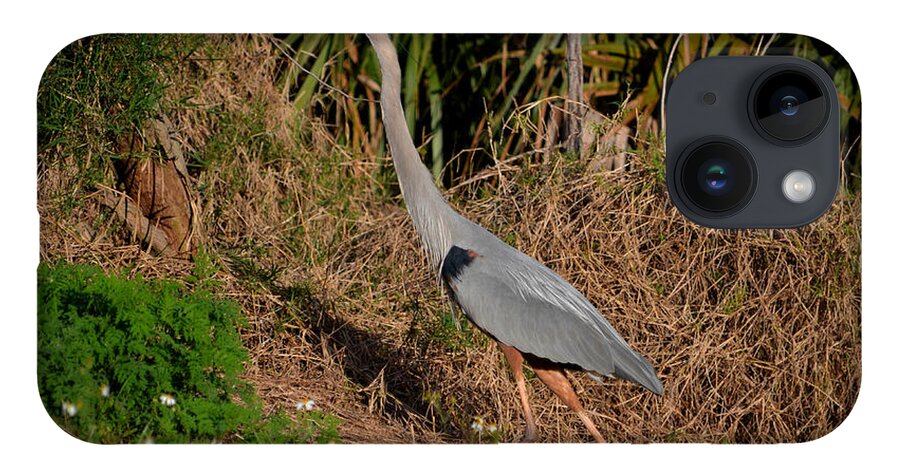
(755, 334)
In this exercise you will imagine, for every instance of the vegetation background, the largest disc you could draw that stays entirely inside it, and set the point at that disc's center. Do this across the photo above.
(259, 162)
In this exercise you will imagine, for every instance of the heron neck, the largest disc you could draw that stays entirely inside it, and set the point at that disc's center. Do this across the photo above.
(429, 212)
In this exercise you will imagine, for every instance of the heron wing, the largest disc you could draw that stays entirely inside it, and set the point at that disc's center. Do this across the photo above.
(526, 305)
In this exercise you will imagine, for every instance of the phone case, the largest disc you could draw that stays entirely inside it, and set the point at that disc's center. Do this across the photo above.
(421, 238)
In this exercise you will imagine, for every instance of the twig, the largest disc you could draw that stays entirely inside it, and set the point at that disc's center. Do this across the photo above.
(319, 80)
(844, 161)
(768, 44)
(662, 109)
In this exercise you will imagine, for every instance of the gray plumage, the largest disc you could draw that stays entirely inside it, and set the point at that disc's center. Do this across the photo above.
(508, 294)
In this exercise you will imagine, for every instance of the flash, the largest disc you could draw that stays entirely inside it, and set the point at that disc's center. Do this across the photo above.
(798, 186)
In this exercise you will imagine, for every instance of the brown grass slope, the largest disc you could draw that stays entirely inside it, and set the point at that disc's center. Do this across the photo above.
(755, 334)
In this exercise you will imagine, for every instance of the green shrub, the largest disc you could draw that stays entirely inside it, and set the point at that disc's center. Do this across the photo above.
(129, 360)
(310, 427)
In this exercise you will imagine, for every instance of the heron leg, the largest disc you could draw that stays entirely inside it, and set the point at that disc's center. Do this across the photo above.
(516, 359)
(553, 377)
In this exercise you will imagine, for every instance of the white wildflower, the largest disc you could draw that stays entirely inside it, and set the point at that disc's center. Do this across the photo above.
(167, 400)
(69, 409)
(492, 428)
(306, 405)
(478, 424)
(104, 390)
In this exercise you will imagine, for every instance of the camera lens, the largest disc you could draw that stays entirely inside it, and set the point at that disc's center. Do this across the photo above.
(789, 105)
(713, 177)
(718, 176)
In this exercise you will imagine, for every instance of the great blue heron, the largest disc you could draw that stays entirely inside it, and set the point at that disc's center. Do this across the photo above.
(533, 313)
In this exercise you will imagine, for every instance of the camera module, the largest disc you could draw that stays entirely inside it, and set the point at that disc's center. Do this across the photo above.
(752, 141)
